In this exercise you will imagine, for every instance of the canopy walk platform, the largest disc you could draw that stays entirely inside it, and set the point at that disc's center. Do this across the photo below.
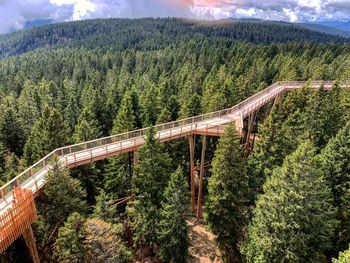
(211, 124)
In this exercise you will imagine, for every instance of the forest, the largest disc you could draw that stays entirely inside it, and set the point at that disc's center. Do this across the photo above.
(288, 201)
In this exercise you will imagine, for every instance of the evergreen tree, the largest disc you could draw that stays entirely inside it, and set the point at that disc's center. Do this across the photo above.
(69, 244)
(125, 119)
(11, 132)
(294, 218)
(103, 209)
(192, 106)
(336, 163)
(117, 176)
(344, 257)
(173, 230)
(61, 196)
(150, 180)
(103, 243)
(87, 128)
(228, 195)
(50, 131)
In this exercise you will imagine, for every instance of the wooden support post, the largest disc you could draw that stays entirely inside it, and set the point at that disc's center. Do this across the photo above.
(136, 157)
(201, 174)
(193, 194)
(30, 242)
(275, 102)
(250, 128)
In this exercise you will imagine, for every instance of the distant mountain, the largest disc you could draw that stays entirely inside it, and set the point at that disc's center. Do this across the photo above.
(154, 33)
(335, 28)
(327, 28)
(38, 22)
(342, 25)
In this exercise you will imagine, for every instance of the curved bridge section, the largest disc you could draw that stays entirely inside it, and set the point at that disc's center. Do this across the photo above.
(33, 178)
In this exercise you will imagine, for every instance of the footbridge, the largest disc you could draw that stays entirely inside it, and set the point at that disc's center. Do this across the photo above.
(212, 124)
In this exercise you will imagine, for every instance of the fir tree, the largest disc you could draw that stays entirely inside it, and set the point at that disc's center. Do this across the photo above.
(173, 230)
(11, 132)
(294, 218)
(87, 128)
(103, 243)
(61, 196)
(125, 119)
(150, 180)
(228, 195)
(69, 244)
(344, 257)
(336, 163)
(104, 209)
(50, 131)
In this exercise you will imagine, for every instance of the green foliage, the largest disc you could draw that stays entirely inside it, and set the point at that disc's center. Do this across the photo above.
(87, 127)
(226, 207)
(150, 180)
(344, 257)
(336, 164)
(104, 209)
(117, 177)
(61, 196)
(103, 244)
(90, 241)
(69, 244)
(173, 232)
(11, 132)
(126, 119)
(294, 218)
(49, 132)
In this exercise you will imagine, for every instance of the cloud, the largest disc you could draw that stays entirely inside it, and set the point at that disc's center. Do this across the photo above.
(14, 13)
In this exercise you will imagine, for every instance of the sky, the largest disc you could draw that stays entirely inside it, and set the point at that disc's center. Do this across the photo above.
(14, 13)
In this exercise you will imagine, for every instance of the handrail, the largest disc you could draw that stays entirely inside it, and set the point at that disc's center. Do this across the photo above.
(68, 150)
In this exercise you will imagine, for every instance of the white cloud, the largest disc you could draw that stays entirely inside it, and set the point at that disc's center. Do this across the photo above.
(14, 13)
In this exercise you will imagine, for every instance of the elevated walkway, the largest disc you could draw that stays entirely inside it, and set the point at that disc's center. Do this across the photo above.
(213, 124)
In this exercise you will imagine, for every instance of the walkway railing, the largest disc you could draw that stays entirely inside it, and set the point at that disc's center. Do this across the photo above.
(30, 173)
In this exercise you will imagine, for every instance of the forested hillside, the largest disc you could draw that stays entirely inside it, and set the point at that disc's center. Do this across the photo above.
(151, 34)
(287, 202)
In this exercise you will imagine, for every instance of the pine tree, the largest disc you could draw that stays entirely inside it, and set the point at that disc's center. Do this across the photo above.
(294, 218)
(50, 131)
(226, 207)
(87, 127)
(336, 163)
(173, 230)
(125, 120)
(103, 243)
(344, 257)
(69, 244)
(150, 180)
(103, 209)
(61, 196)
(117, 176)
(150, 107)
(11, 132)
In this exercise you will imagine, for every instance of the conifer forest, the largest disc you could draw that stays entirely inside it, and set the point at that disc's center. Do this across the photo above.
(286, 200)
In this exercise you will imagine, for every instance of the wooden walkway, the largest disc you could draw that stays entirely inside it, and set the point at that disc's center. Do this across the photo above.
(212, 123)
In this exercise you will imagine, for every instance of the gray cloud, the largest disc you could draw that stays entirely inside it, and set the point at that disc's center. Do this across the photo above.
(14, 13)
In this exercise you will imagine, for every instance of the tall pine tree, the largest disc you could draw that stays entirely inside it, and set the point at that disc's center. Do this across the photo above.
(173, 229)
(226, 208)
(294, 218)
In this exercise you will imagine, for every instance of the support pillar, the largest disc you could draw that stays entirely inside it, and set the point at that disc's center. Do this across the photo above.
(136, 157)
(250, 128)
(30, 242)
(201, 174)
(193, 194)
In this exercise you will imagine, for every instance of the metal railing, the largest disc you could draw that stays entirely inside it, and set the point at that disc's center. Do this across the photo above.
(30, 173)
